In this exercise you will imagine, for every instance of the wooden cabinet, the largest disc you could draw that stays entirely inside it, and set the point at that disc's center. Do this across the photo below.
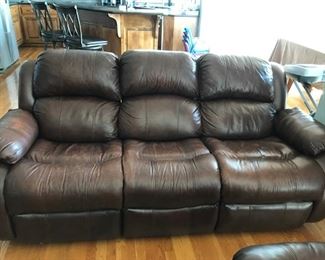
(173, 31)
(138, 31)
(30, 26)
(14, 9)
(127, 31)
(122, 31)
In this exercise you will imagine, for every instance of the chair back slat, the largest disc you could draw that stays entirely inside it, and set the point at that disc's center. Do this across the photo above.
(43, 17)
(74, 39)
(70, 22)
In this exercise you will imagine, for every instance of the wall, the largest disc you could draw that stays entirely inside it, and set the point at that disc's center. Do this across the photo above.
(252, 27)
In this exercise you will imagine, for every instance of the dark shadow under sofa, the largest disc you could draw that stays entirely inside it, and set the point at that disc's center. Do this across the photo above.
(153, 144)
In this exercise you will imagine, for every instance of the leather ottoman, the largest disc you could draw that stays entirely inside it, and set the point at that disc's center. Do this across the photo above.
(283, 251)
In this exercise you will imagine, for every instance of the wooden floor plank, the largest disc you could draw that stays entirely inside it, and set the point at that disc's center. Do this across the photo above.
(125, 249)
(9, 80)
(183, 248)
(204, 247)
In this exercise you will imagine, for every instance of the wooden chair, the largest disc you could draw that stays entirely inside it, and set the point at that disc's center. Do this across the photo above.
(74, 38)
(45, 24)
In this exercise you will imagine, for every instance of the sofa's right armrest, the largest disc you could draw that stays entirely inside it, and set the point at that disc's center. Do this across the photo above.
(18, 131)
(301, 131)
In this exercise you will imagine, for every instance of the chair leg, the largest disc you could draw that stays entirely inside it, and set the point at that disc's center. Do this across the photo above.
(54, 45)
(45, 46)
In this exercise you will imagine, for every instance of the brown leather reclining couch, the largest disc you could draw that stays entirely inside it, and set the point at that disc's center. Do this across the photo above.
(155, 143)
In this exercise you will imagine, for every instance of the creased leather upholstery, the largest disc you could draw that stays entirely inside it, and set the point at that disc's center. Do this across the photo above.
(167, 222)
(56, 177)
(18, 131)
(58, 227)
(76, 73)
(159, 106)
(226, 119)
(265, 171)
(158, 172)
(283, 251)
(318, 212)
(6, 231)
(280, 86)
(237, 95)
(160, 118)
(141, 74)
(25, 93)
(262, 217)
(301, 131)
(235, 77)
(44, 151)
(85, 119)
(198, 150)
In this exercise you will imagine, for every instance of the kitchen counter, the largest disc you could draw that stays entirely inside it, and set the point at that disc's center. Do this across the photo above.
(152, 11)
(124, 29)
(123, 10)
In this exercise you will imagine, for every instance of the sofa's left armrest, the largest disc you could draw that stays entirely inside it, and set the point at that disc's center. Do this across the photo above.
(18, 131)
(301, 131)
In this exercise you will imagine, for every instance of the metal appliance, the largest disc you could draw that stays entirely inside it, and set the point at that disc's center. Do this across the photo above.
(9, 53)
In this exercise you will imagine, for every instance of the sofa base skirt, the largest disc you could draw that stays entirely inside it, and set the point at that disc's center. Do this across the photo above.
(167, 222)
(268, 217)
(60, 227)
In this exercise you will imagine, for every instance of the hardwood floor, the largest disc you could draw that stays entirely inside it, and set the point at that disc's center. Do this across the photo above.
(9, 80)
(211, 246)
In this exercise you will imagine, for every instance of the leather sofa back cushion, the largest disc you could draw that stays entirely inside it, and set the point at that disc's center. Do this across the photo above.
(235, 77)
(76, 73)
(237, 96)
(86, 119)
(152, 72)
(159, 118)
(240, 119)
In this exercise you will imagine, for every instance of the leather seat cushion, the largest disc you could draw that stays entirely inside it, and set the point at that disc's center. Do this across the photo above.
(63, 177)
(169, 174)
(265, 171)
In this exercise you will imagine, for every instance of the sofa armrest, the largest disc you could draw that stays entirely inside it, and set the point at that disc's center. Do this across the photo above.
(18, 131)
(6, 229)
(301, 131)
